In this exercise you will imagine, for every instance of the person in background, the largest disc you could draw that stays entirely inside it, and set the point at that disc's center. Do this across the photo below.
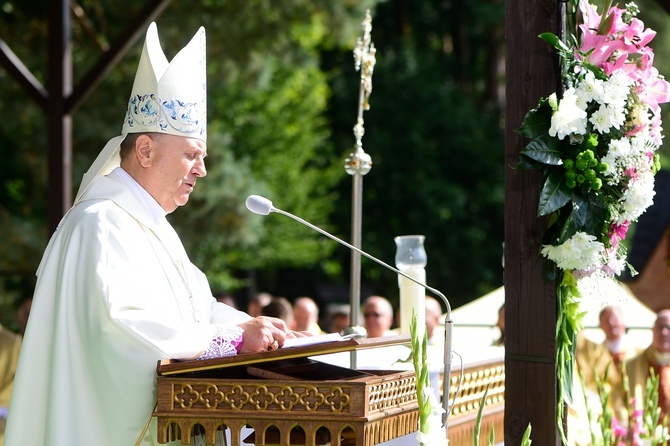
(306, 316)
(378, 316)
(257, 302)
(10, 345)
(225, 298)
(23, 311)
(657, 357)
(116, 291)
(500, 342)
(594, 360)
(339, 317)
(280, 308)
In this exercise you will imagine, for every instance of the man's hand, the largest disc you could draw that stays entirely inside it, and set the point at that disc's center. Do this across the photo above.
(266, 333)
(262, 334)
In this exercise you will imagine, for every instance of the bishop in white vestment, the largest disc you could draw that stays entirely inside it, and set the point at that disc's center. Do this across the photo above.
(116, 291)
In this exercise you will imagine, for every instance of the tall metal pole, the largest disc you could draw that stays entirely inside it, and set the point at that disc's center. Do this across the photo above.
(358, 164)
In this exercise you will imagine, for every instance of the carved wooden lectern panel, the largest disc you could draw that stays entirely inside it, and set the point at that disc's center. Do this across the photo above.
(287, 398)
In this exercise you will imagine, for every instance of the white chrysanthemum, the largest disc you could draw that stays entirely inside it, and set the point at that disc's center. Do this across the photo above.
(603, 119)
(637, 197)
(639, 144)
(569, 118)
(611, 160)
(617, 88)
(579, 252)
(618, 117)
(590, 88)
(656, 134)
(620, 80)
(619, 148)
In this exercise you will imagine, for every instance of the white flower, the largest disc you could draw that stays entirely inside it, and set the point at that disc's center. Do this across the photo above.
(432, 434)
(620, 148)
(569, 118)
(614, 264)
(616, 89)
(590, 88)
(607, 117)
(579, 252)
(639, 145)
(637, 197)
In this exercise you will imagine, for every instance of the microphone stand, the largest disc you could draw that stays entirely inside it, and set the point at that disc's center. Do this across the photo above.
(448, 323)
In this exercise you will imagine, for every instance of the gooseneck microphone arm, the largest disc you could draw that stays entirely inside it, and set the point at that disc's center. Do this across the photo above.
(263, 206)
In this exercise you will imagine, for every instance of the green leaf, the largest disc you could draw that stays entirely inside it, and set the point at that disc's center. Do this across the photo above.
(544, 149)
(554, 194)
(581, 212)
(492, 435)
(526, 163)
(537, 121)
(480, 414)
(553, 40)
(525, 440)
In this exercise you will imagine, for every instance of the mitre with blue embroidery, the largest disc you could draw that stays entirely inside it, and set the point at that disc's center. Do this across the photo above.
(167, 97)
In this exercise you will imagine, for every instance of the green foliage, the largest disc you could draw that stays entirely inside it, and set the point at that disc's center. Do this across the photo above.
(421, 369)
(568, 324)
(282, 101)
(433, 132)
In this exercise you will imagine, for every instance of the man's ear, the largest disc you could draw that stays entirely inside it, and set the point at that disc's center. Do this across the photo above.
(144, 150)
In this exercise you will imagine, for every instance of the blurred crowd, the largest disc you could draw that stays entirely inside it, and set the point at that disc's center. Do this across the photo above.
(611, 377)
(615, 370)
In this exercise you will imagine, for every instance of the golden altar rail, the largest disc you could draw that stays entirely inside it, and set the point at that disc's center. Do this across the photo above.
(476, 377)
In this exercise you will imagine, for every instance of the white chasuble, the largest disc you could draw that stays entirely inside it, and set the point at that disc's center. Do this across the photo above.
(108, 305)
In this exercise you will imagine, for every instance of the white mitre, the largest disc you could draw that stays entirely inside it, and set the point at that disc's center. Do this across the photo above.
(167, 97)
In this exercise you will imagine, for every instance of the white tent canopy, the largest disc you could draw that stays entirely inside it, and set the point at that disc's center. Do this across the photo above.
(475, 322)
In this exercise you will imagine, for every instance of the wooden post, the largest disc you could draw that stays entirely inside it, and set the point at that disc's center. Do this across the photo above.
(530, 301)
(59, 85)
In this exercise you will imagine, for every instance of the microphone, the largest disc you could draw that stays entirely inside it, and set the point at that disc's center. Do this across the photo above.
(262, 206)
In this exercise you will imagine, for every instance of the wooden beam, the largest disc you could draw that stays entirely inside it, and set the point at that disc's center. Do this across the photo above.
(59, 127)
(530, 301)
(22, 74)
(61, 101)
(135, 29)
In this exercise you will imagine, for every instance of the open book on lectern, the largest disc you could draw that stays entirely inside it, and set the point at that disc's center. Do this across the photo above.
(297, 348)
(316, 339)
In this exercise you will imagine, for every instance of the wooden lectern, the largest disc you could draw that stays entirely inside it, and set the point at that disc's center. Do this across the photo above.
(287, 398)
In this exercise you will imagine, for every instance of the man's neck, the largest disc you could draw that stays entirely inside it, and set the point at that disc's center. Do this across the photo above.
(148, 202)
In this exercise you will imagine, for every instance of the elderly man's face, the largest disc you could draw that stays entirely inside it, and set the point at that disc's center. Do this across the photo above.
(661, 332)
(378, 318)
(611, 322)
(178, 163)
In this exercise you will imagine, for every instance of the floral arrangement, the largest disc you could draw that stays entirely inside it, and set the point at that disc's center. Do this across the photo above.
(595, 145)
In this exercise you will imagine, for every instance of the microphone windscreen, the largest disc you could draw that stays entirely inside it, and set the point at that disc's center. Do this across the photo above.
(259, 205)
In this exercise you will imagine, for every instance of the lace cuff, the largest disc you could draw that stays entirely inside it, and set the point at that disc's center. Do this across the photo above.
(225, 342)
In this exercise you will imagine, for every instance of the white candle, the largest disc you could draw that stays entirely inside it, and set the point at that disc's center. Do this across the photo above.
(412, 297)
